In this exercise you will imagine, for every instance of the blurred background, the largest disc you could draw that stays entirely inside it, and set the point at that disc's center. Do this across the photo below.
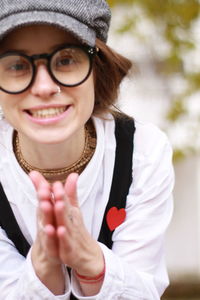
(162, 38)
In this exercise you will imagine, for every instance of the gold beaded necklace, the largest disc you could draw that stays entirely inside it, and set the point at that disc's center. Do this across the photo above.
(60, 174)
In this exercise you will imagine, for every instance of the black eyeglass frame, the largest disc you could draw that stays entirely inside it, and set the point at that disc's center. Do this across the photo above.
(90, 51)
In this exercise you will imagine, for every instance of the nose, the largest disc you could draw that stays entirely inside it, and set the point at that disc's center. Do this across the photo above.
(43, 85)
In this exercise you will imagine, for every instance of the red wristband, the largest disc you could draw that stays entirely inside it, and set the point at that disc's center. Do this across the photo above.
(91, 279)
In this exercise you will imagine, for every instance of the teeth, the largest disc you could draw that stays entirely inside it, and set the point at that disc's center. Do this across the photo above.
(47, 112)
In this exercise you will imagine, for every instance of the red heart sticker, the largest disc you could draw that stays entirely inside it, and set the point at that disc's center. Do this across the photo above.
(115, 217)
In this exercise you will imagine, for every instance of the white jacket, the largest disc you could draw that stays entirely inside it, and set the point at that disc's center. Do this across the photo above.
(135, 268)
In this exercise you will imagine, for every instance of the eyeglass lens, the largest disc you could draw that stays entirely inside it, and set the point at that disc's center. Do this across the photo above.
(69, 66)
(15, 72)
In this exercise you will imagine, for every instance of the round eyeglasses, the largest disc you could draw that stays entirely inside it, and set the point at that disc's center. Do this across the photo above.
(69, 66)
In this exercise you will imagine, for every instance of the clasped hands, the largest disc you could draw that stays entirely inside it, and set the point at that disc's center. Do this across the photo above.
(62, 237)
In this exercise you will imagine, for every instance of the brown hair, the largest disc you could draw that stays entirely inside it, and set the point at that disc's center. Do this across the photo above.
(109, 70)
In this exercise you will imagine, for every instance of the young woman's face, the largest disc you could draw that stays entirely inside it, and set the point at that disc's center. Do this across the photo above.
(40, 113)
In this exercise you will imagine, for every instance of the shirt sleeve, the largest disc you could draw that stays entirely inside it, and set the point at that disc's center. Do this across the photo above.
(135, 267)
(18, 279)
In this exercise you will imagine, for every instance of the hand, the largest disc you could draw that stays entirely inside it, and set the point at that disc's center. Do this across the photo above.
(46, 244)
(77, 249)
(44, 252)
(64, 237)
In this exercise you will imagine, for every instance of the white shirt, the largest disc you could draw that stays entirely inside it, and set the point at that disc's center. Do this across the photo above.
(135, 267)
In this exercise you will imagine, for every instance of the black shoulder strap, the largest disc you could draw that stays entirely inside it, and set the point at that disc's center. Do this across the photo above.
(10, 225)
(122, 174)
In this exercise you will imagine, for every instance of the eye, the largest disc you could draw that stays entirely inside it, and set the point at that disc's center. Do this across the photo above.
(68, 59)
(64, 61)
(15, 65)
(18, 66)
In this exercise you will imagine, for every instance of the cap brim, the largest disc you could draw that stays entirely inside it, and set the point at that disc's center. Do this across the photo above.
(78, 29)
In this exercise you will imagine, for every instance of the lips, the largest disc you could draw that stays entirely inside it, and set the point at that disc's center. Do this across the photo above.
(48, 115)
(45, 113)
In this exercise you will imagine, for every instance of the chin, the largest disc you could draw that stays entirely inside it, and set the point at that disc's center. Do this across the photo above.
(48, 140)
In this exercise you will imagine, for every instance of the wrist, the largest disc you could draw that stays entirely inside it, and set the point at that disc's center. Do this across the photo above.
(91, 265)
(51, 275)
(92, 279)
(41, 263)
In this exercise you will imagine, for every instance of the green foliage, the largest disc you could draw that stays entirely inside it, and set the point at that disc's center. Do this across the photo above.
(180, 154)
(177, 110)
(174, 20)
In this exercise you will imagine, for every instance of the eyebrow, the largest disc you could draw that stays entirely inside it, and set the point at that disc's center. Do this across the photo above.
(27, 52)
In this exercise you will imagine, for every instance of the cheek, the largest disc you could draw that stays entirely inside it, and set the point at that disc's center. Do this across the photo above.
(10, 106)
(5, 103)
(84, 95)
(88, 97)
(89, 89)
(3, 99)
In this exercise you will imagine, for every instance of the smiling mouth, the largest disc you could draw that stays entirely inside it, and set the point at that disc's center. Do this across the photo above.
(46, 113)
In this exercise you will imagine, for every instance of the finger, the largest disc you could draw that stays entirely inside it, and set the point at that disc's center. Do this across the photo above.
(44, 192)
(46, 214)
(71, 189)
(65, 243)
(64, 210)
(61, 206)
(38, 179)
(58, 191)
(45, 207)
(61, 214)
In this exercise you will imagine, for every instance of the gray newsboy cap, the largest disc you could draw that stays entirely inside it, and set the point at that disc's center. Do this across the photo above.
(86, 19)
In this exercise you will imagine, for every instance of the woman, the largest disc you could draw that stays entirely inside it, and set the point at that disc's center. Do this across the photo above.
(82, 215)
